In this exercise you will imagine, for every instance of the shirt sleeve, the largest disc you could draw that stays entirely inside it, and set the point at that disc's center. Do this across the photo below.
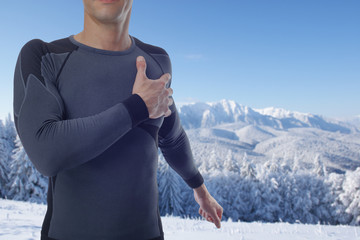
(52, 142)
(175, 146)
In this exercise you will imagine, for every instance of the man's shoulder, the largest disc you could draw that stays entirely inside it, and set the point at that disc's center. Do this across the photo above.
(39, 47)
(158, 54)
(149, 48)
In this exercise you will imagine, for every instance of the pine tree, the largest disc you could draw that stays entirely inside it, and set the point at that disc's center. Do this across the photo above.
(240, 162)
(319, 168)
(275, 166)
(229, 163)
(296, 165)
(7, 138)
(189, 205)
(351, 195)
(4, 168)
(338, 213)
(269, 197)
(204, 166)
(248, 190)
(170, 196)
(25, 182)
(10, 133)
(286, 164)
(215, 166)
(248, 168)
(228, 195)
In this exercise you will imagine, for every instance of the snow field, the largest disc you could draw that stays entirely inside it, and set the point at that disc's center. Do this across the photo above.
(22, 221)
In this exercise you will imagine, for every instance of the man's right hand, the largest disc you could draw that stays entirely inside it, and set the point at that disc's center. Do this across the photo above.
(153, 92)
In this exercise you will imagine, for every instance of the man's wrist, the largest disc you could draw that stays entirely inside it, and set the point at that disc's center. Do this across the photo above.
(137, 109)
(195, 181)
(201, 191)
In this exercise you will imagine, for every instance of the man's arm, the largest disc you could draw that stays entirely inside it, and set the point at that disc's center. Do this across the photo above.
(179, 156)
(52, 142)
(175, 146)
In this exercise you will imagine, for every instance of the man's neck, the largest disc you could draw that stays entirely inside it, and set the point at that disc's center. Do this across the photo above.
(113, 37)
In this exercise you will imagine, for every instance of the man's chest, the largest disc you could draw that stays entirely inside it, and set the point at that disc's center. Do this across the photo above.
(91, 83)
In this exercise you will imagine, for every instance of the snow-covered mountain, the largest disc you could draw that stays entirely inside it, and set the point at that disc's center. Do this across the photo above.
(270, 133)
(196, 115)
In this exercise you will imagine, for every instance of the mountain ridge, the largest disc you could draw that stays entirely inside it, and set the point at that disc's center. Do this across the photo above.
(210, 114)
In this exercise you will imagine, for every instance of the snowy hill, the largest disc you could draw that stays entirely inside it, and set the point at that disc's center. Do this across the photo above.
(271, 132)
(22, 220)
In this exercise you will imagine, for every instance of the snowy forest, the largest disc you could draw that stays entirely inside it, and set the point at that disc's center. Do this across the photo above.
(278, 190)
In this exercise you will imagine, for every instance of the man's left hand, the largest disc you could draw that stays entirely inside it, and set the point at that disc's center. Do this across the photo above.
(209, 208)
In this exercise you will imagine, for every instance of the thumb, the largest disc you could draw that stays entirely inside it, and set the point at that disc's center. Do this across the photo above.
(141, 66)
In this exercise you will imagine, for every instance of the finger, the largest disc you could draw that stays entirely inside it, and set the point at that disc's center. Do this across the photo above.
(165, 77)
(209, 218)
(141, 65)
(214, 216)
(171, 101)
(170, 91)
(220, 212)
(168, 113)
(164, 93)
(202, 213)
(217, 222)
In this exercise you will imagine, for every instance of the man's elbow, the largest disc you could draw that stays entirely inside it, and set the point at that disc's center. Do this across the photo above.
(46, 165)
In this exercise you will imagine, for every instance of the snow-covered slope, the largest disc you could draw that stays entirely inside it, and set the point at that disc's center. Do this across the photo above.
(22, 220)
(271, 132)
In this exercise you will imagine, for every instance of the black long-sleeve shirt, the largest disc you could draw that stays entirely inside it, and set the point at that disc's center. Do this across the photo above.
(81, 125)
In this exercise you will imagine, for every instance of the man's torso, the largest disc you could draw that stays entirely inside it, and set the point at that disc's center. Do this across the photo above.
(115, 195)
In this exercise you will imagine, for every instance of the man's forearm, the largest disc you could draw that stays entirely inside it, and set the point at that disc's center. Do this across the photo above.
(175, 147)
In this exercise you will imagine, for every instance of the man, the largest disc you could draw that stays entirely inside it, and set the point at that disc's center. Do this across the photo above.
(91, 111)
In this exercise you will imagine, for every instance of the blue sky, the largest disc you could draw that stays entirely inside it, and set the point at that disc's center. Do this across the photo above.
(298, 55)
